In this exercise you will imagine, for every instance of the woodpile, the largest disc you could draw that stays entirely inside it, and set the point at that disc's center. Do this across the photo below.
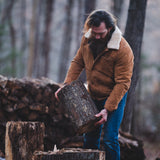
(34, 100)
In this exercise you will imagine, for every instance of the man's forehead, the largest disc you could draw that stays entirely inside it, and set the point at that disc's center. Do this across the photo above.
(101, 28)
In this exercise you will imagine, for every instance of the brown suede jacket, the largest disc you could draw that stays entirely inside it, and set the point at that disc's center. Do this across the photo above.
(109, 75)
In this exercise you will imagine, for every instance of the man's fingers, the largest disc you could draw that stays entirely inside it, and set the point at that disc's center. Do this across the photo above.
(56, 96)
(98, 115)
(56, 93)
(100, 122)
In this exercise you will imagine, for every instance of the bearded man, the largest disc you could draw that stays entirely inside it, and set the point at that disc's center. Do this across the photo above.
(108, 61)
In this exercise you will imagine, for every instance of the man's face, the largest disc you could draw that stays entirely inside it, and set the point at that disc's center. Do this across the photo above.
(99, 33)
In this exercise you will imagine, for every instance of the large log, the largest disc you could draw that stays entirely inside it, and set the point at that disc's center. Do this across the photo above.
(70, 154)
(23, 139)
(79, 106)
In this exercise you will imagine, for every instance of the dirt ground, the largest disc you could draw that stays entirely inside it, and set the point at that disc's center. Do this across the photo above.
(152, 150)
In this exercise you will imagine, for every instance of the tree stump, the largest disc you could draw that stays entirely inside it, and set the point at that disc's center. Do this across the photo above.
(22, 139)
(79, 106)
(70, 154)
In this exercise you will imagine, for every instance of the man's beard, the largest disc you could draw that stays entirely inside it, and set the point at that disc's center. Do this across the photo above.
(97, 45)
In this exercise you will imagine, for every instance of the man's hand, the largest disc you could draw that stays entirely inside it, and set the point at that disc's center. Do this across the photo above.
(103, 113)
(56, 93)
(58, 90)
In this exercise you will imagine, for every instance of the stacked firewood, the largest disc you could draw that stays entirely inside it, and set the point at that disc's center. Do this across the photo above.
(33, 100)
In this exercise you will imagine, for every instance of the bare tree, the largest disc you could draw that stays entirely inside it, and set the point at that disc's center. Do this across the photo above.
(32, 39)
(23, 35)
(134, 34)
(46, 37)
(22, 24)
(7, 10)
(66, 43)
(79, 23)
(13, 40)
(89, 7)
(117, 8)
(7, 21)
(7, 17)
(37, 56)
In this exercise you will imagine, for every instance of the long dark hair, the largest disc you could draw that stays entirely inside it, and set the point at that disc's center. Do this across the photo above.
(98, 16)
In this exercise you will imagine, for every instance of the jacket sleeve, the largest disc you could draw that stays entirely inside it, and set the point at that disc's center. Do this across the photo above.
(76, 66)
(122, 76)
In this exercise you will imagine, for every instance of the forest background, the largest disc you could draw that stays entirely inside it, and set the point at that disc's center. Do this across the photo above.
(39, 39)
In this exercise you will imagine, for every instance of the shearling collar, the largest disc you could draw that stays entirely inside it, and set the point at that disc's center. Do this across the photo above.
(115, 40)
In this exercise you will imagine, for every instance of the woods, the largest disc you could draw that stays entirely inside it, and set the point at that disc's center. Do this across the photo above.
(39, 39)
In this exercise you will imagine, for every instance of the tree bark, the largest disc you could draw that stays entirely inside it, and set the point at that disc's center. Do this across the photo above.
(46, 39)
(7, 16)
(23, 36)
(7, 11)
(79, 106)
(13, 41)
(79, 23)
(38, 46)
(117, 8)
(66, 44)
(22, 139)
(32, 40)
(89, 7)
(134, 34)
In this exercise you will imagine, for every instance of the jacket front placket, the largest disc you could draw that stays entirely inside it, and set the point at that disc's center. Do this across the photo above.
(98, 57)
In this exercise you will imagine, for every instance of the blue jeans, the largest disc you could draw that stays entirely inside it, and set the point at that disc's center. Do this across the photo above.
(111, 129)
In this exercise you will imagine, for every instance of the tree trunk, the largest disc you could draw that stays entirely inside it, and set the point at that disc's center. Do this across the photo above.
(7, 11)
(32, 40)
(38, 46)
(46, 37)
(7, 18)
(117, 8)
(79, 23)
(89, 7)
(134, 34)
(66, 44)
(22, 139)
(13, 41)
(23, 37)
(71, 154)
(79, 106)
